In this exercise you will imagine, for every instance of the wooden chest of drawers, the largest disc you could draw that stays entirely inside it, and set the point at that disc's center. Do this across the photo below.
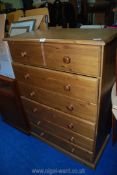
(65, 79)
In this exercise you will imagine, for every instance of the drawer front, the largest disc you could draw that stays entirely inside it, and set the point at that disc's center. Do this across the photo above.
(61, 143)
(76, 86)
(26, 53)
(66, 104)
(66, 134)
(73, 58)
(38, 112)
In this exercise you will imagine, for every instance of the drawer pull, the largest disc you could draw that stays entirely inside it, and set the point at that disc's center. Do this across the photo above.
(73, 149)
(23, 54)
(42, 134)
(67, 87)
(66, 60)
(72, 139)
(38, 123)
(32, 94)
(70, 126)
(35, 110)
(70, 107)
(27, 76)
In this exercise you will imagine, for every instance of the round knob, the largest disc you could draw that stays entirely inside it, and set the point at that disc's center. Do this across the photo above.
(27, 76)
(72, 139)
(42, 134)
(66, 60)
(73, 149)
(32, 94)
(38, 123)
(67, 87)
(70, 126)
(35, 110)
(23, 54)
(70, 107)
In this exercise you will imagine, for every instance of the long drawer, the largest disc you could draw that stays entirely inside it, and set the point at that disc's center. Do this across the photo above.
(61, 143)
(26, 53)
(66, 134)
(76, 58)
(76, 86)
(66, 104)
(38, 112)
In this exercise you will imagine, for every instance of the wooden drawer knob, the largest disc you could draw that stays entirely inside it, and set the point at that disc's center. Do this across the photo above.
(23, 54)
(73, 149)
(72, 139)
(32, 94)
(38, 123)
(70, 107)
(42, 134)
(35, 110)
(66, 60)
(67, 87)
(27, 76)
(70, 126)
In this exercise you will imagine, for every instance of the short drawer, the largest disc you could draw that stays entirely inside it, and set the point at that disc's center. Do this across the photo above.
(37, 112)
(26, 53)
(71, 85)
(66, 134)
(62, 144)
(81, 59)
(81, 109)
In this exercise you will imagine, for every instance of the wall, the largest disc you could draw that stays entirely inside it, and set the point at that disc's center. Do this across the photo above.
(39, 2)
(91, 1)
(16, 3)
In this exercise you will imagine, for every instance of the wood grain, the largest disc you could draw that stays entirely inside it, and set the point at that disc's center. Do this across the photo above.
(67, 95)
(73, 58)
(63, 144)
(26, 53)
(92, 37)
(63, 103)
(108, 78)
(46, 113)
(67, 84)
(66, 134)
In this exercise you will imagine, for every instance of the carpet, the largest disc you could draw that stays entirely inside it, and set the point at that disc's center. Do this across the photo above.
(26, 155)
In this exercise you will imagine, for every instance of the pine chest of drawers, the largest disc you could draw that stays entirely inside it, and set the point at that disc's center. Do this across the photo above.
(65, 78)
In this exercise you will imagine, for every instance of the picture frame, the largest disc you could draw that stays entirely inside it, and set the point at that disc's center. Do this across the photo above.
(38, 20)
(18, 30)
(26, 25)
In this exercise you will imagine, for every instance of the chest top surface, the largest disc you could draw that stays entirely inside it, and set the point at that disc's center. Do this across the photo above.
(80, 36)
